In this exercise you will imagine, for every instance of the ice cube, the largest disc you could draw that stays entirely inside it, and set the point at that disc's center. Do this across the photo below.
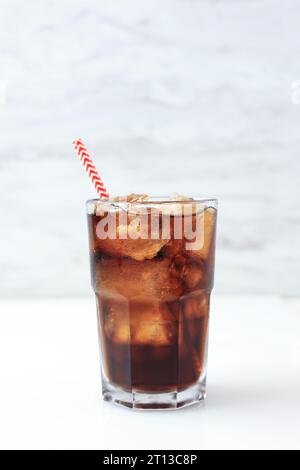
(135, 235)
(179, 205)
(193, 236)
(155, 280)
(188, 232)
(102, 207)
(131, 198)
(153, 324)
(171, 209)
(196, 305)
(207, 223)
(147, 324)
(193, 275)
(116, 321)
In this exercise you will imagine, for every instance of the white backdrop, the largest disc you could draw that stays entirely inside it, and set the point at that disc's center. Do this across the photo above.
(169, 95)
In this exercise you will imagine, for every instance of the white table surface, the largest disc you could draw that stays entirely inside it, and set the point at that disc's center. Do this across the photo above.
(50, 386)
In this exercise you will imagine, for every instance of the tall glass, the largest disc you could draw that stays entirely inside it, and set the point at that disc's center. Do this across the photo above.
(152, 268)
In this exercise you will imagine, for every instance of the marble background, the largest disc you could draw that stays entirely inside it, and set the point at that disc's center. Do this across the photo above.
(171, 95)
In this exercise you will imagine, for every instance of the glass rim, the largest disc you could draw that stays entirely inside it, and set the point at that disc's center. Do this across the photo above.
(156, 200)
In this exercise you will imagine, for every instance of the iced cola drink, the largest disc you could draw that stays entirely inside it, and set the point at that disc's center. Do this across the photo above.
(152, 267)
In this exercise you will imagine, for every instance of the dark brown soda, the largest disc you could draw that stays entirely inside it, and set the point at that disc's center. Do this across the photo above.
(160, 355)
(154, 368)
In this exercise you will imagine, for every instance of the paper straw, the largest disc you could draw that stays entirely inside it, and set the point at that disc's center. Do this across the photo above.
(90, 168)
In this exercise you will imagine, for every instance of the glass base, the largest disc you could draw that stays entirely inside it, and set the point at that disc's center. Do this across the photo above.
(155, 401)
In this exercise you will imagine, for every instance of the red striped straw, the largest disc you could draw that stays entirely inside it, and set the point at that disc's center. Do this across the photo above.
(90, 168)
